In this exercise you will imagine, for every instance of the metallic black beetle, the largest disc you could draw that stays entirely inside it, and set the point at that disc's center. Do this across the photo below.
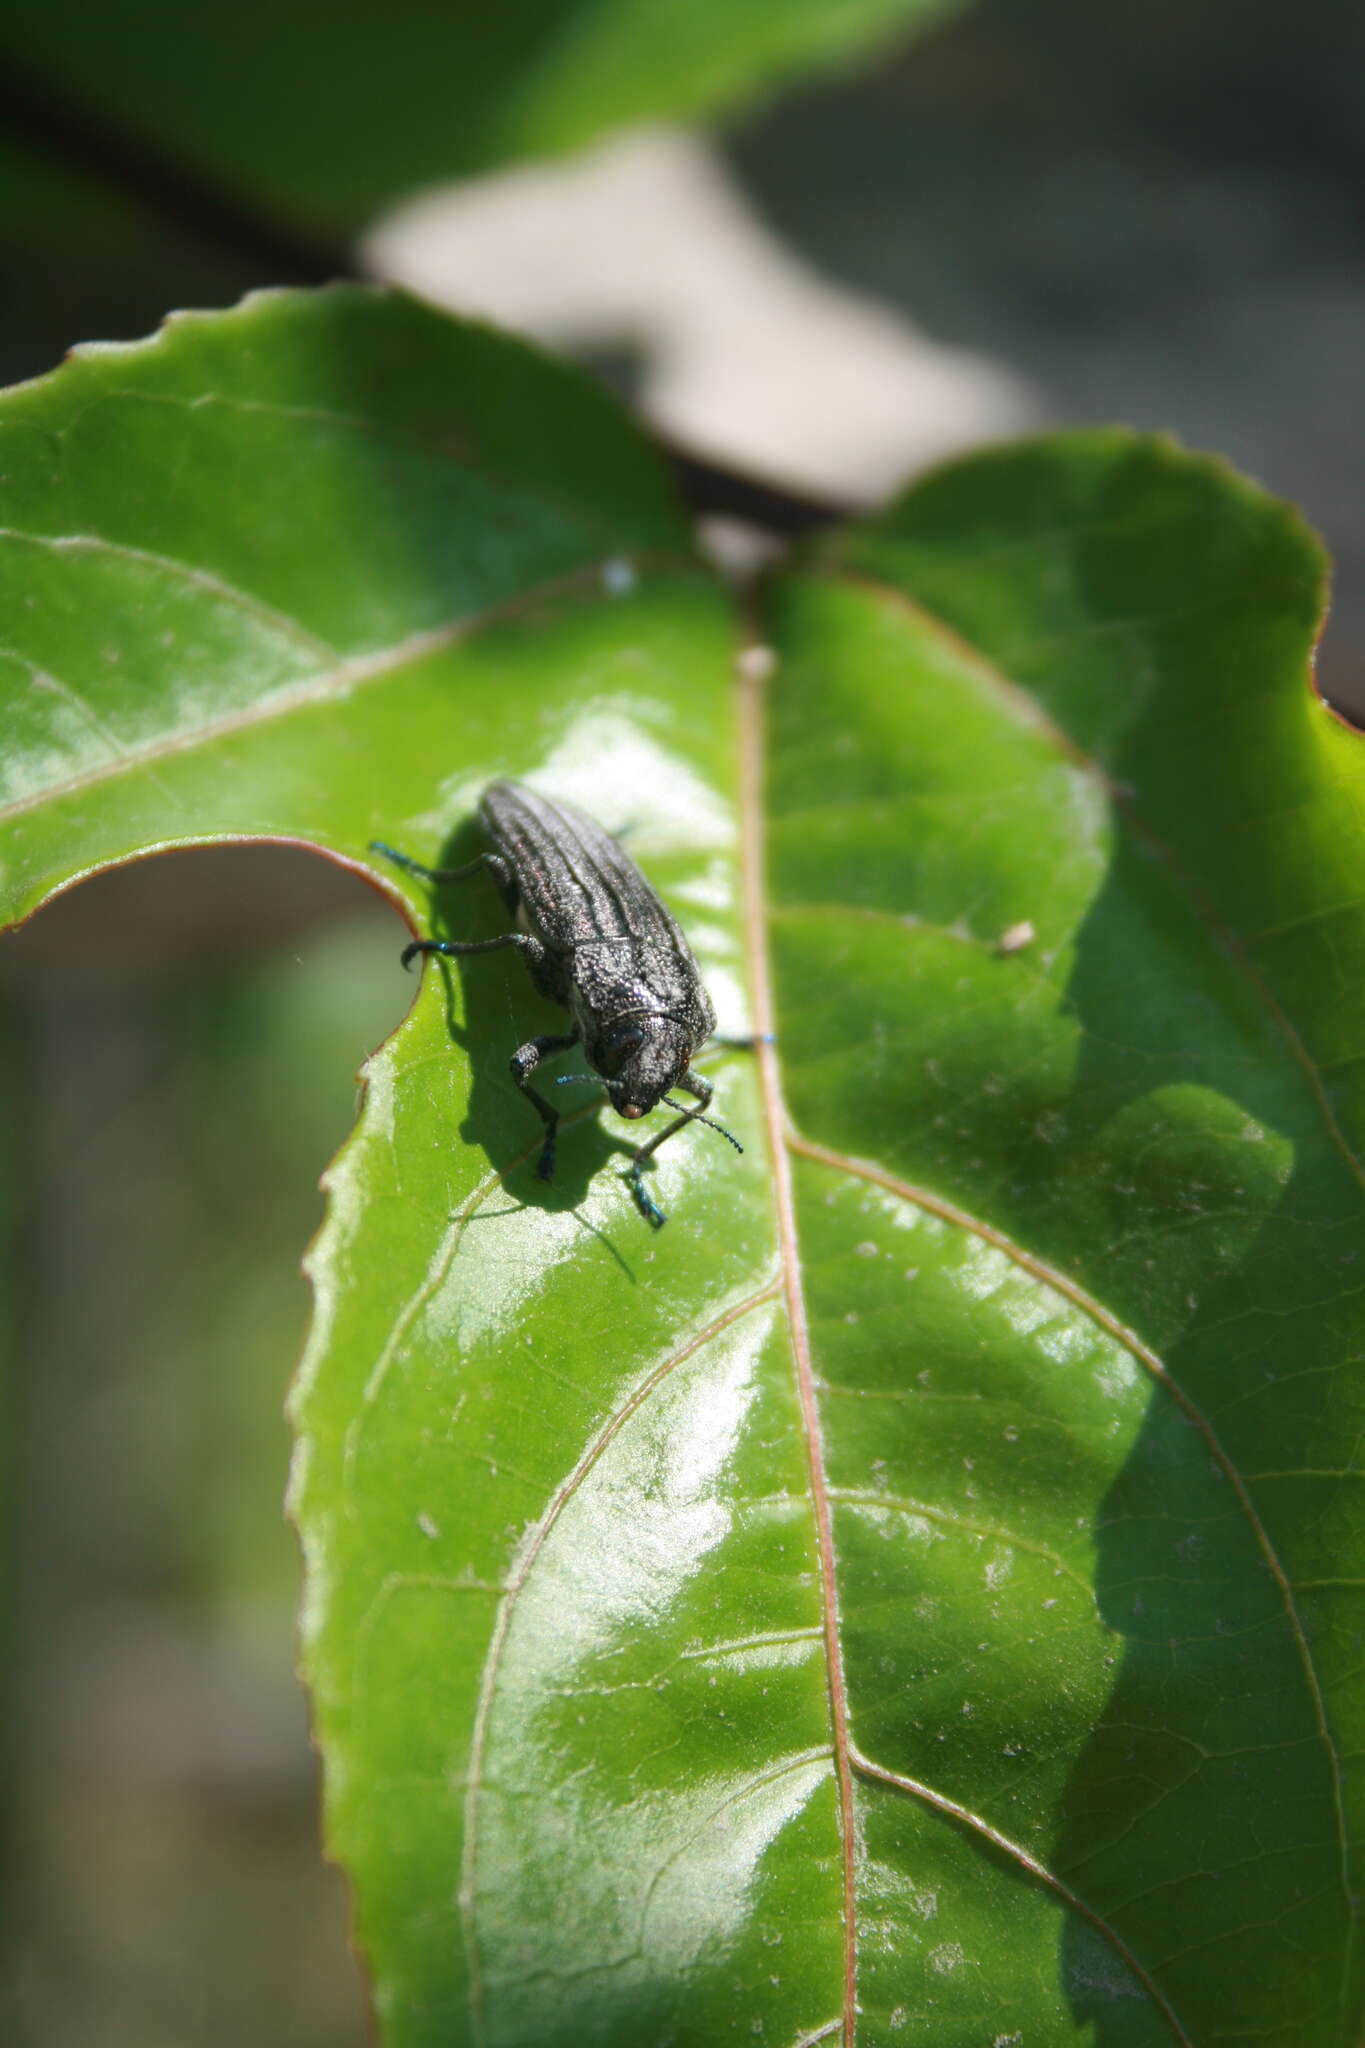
(597, 939)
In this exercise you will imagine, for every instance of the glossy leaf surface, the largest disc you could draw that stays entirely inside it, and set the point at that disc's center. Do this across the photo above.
(914, 1595)
(325, 112)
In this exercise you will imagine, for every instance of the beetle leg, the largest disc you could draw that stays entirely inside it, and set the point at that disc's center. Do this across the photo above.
(525, 1060)
(452, 949)
(492, 862)
(455, 949)
(700, 1087)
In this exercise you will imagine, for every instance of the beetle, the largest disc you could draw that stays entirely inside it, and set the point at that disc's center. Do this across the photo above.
(597, 940)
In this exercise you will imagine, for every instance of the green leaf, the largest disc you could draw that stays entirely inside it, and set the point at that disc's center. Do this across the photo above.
(938, 1548)
(215, 538)
(326, 112)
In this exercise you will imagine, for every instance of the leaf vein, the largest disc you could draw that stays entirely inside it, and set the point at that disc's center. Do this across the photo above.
(327, 687)
(1016, 1852)
(1052, 1276)
(182, 572)
(851, 1497)
(531, 1548)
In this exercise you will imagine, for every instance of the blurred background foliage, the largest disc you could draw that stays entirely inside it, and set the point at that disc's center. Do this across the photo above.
(320, 111)
(182, 1037)
(1149, 212)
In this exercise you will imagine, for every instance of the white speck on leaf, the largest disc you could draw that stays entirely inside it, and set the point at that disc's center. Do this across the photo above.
(757, 662)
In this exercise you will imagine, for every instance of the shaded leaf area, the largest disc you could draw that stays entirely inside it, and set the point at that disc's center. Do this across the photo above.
(323, 113)
(1159, 1099)
(1058, 1254)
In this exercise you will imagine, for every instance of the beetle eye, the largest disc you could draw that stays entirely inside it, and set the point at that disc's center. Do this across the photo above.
(626, 1041)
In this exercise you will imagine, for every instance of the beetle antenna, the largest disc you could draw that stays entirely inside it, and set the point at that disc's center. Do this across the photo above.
(694, 1116)
(567, 1080)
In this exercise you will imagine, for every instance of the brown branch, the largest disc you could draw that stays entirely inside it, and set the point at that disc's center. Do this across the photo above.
(173, 190)
(178, 193)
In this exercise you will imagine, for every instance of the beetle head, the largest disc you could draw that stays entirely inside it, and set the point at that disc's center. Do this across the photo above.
(641, 1060)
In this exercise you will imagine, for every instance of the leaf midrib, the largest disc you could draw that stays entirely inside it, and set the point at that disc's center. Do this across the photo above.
(752, 754)
(783, 1141)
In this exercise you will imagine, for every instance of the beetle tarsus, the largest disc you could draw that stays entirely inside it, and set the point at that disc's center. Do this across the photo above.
(644, 1201)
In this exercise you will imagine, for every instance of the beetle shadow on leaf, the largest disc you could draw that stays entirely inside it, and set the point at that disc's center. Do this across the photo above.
(492, 1008)
(1229, 1221)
